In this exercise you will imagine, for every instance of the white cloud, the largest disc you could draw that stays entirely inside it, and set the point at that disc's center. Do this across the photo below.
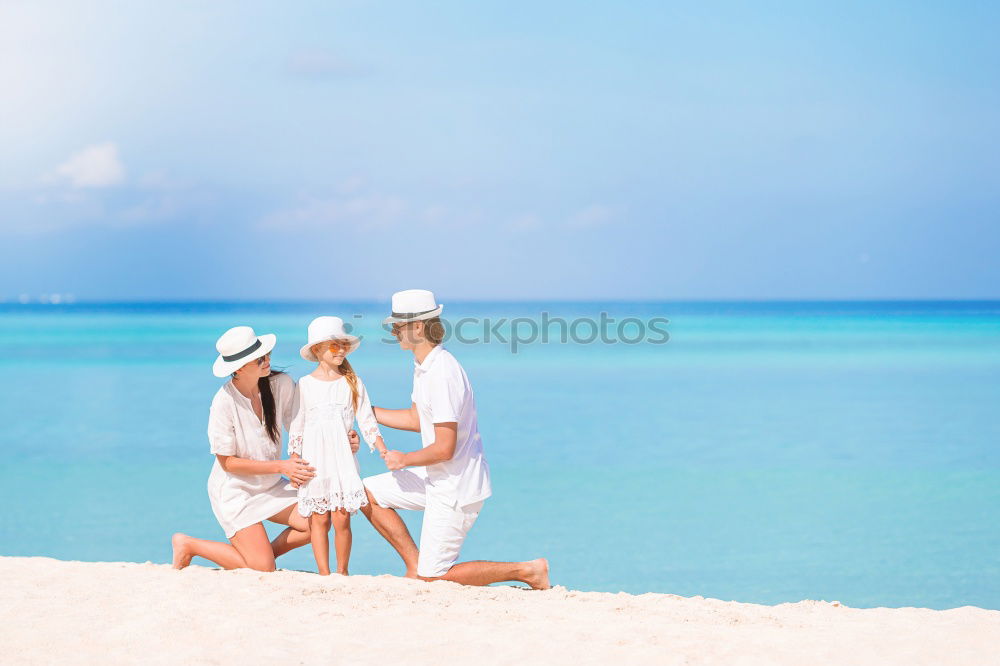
(319, 63)
(367, 210)
(436, 215)
(354, 203)
(78, 194)
(351, 185)
(94, 166)
(525, 222)
(154, 208)
(591, 217)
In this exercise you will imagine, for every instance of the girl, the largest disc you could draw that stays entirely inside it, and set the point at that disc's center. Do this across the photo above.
(329, 400)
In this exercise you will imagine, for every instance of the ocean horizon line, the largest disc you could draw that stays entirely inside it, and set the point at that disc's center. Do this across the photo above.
(73, 301)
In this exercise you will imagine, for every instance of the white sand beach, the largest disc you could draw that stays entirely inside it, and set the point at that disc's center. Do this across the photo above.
(76, 612)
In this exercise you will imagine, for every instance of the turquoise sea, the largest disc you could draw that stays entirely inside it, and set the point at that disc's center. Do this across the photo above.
(768, 452)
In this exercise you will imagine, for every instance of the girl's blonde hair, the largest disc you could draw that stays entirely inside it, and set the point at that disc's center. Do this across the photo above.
(345, 369)
(352, 380)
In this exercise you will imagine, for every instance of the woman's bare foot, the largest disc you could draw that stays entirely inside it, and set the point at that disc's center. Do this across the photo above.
(182, 556)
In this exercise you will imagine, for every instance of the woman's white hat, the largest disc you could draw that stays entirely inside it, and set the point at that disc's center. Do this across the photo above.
(238, 346)
(413, 305)
(322, 329)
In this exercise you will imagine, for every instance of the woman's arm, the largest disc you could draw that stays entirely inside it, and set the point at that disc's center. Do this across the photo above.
(400, 419)
(296, 469)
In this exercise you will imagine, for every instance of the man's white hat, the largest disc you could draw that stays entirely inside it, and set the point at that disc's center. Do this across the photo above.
(323, 329)
(413, 305)
(238, 346)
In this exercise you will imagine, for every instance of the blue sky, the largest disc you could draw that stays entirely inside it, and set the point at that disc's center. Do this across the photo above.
(500, 150)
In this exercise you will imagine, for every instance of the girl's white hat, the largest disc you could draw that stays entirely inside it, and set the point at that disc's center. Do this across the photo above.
(322, 329)
(413, 305)
(238, 346)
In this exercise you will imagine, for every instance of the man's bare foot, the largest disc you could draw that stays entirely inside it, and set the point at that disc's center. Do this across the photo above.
(411, 574)
(182, 556)
(537, 575)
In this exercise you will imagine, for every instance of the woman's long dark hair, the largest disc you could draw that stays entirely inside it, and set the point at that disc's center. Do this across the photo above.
(267, 405)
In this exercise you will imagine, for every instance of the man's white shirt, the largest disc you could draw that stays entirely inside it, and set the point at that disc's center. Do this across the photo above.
(442, 394)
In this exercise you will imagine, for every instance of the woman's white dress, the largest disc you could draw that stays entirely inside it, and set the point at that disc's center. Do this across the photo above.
(318, 432)
(239, 500)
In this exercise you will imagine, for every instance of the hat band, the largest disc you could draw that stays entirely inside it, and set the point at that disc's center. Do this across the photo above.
(411, 315)
(243, 354)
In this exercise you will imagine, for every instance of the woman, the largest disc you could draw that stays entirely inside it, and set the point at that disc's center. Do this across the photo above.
(246, 485)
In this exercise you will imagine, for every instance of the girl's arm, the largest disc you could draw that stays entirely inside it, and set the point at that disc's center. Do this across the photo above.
(400, 419)
(367, 422)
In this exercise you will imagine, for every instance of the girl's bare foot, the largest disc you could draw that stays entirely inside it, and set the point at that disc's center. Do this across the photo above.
(182, 556)
(537, 574)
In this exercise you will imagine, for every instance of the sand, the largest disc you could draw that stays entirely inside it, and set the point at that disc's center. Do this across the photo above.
(109, 613)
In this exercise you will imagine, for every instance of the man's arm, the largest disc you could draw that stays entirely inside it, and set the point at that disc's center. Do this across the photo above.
(400, 419)
(443, 448)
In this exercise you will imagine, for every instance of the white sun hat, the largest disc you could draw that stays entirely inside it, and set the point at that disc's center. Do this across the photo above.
(413, 305)
(323, 329)
(238, 346)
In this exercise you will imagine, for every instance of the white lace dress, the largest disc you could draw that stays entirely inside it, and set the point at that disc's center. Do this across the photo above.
(318, 433)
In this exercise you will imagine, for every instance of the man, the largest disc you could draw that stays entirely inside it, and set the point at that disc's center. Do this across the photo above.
(448, 479)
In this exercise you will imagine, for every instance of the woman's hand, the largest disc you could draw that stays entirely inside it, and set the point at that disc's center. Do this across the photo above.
(352, 436)
(297, 470)
(294, 456)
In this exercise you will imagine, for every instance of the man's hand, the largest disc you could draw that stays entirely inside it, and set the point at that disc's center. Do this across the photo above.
(355, 441)
(394, 460)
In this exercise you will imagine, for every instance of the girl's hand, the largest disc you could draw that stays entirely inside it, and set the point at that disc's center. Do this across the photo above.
(297, 470)
(355, 441)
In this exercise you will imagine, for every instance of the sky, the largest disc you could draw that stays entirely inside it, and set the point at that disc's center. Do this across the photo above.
(499, 150)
